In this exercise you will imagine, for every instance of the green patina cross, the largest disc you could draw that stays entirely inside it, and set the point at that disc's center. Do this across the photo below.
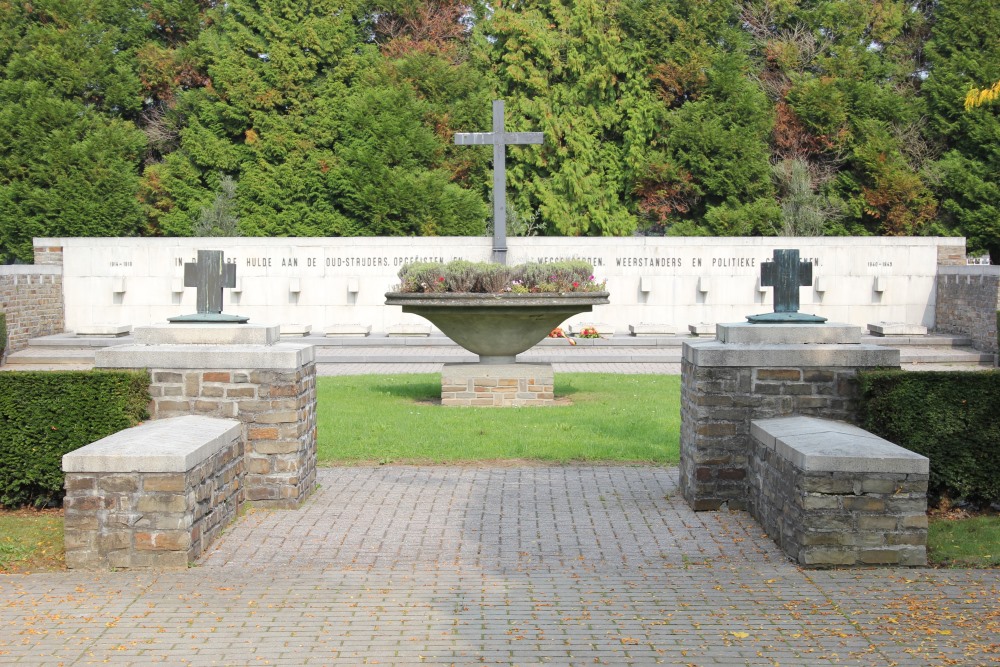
(786, 274)
(209, 275)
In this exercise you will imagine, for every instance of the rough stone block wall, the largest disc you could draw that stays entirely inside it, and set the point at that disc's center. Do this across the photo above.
(152, 520)
(32, 298)
(827, 519)
(717, 406)
(967, 304)
(278, 412)
(497, 392)
(48, 255)
(951, 255)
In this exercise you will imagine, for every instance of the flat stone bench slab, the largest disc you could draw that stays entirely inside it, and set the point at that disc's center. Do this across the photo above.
(408, 330)
(896, 329)
(153, 496)
(823, 445)
(165, 445)
(702, 329)
(645, 329)
(295, 330)
(348, 330)
(832, 494)
(104, 330)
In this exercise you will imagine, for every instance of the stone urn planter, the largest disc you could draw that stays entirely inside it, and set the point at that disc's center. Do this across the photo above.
(497, 327)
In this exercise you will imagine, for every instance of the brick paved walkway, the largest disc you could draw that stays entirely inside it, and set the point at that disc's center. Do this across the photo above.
(500, 565)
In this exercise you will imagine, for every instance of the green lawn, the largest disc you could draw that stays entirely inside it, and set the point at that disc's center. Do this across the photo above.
(31, 541)
(972, 542)
(396, 419)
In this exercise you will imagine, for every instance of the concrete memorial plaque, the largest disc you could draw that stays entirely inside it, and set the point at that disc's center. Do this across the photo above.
(209, 275)
(499, 139)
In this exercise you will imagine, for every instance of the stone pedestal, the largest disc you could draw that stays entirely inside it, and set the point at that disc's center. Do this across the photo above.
(497, 385)
(240, 372)
(758, 371)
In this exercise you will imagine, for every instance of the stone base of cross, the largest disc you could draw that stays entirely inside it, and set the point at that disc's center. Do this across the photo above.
(499, 139)
(786, 274)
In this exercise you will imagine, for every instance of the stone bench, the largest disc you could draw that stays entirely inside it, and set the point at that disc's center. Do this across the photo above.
(104, 330)
(416, 330)
(153, 496)
(647, 329)
(702, 329)
(832, 494)
(348, 330)
(896, 329)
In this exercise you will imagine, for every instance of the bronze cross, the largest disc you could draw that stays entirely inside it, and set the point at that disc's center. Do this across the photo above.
(786, 274)
(209, 275)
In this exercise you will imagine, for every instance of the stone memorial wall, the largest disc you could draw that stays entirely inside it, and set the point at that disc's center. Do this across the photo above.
(31, 297)
(968, 300)
(323, 282)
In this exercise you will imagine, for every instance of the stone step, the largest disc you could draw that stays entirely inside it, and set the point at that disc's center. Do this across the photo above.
(437, 339)
(918, 352)
(68, 355)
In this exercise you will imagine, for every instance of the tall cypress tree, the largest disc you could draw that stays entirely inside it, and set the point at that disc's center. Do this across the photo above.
(964, 52)
(707, 169)
(69, 153)
(302, 109)
(565, 69)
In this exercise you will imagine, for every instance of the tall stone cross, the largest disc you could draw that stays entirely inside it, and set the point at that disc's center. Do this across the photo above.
(209, 275)
(786, 274)
(499, 139)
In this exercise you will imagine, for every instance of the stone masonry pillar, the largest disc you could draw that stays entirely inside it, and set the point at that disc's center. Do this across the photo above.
(242, 372)
(758, 371)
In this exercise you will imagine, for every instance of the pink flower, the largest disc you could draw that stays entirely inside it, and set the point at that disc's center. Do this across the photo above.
(576, 284)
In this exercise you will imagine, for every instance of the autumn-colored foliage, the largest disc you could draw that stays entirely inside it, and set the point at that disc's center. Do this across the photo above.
(336, 117)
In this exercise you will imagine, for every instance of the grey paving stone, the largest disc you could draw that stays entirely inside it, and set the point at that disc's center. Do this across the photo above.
(470, 565)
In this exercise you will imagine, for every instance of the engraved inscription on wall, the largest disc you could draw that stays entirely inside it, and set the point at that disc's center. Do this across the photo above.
(320, 264)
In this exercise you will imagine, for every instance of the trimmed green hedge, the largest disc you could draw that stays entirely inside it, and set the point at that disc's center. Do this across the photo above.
(949, 417)
(44, 415)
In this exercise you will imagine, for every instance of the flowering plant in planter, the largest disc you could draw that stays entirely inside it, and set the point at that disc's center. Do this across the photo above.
(494, 310)
(460, 276)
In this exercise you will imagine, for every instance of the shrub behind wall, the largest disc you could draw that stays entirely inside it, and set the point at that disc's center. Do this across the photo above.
(949, 417)
(44, 415)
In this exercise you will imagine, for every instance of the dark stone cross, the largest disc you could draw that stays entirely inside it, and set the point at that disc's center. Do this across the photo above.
(786, 274)
(499, 140)
(210, 274)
